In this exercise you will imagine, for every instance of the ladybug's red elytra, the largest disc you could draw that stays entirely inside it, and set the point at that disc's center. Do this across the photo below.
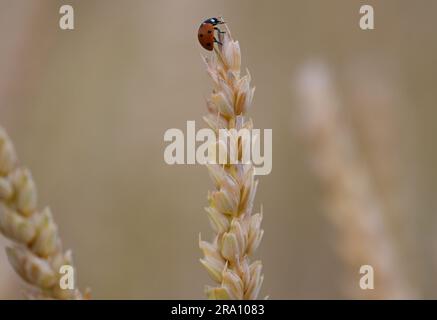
(206, 33)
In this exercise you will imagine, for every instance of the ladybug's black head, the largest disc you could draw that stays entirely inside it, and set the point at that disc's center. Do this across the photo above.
(214, 21)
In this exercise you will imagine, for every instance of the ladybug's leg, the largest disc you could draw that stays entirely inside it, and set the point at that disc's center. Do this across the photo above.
(216, 41)
(219, 31)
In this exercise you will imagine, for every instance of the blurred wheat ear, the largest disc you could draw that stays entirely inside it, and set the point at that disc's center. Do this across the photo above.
(237, 232)
(351, 200)
(36, 254)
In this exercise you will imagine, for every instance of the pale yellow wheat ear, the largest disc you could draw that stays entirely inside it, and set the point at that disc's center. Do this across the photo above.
(36, 253)
(237, 231)
(351, 201)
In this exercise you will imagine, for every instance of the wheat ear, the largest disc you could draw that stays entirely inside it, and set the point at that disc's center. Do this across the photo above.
(351, 201)
(238, 232)
(36, 254)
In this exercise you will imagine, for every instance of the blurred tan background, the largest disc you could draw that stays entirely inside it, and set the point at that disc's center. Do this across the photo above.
(87, 110)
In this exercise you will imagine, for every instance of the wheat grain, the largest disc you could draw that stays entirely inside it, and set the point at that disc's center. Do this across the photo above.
(238, 232)
(36, 254)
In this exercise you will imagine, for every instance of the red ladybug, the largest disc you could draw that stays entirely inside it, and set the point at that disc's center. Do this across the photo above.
(206, 33)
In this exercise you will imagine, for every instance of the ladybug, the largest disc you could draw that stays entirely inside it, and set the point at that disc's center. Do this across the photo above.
(206, 33)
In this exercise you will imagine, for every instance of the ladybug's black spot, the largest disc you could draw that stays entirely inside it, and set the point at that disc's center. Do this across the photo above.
(209, 31)
(201, 35)
(208, 44)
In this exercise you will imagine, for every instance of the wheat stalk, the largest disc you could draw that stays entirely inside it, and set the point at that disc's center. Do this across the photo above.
(36, 254)
(350, 198)
(238, 232)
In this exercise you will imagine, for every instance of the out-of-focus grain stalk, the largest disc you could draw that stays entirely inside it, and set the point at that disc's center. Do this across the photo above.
(376, 104)
(20, 54)
(375, 108)
(36, 254)
(350, 198)
(237, 231)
